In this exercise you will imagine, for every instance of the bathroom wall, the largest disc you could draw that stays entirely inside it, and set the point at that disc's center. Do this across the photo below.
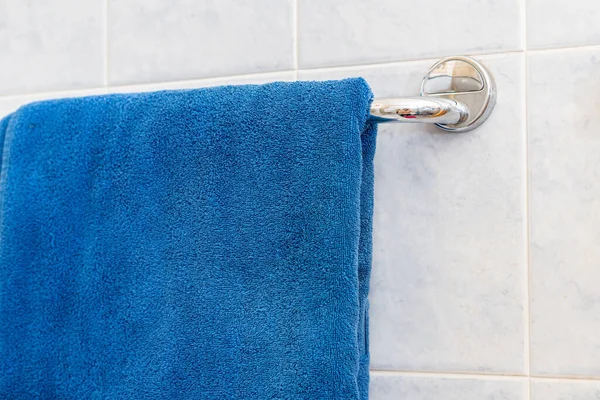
(486, 275)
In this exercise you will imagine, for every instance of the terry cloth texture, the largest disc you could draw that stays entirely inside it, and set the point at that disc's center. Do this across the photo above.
(196, 244)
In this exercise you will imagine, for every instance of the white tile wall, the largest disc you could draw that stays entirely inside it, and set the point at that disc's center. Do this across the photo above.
(349, 32)
(558, 23)
(486, 282)
(151, 40)
(565, 390)
(564, 143)
(50, 45)
(393, 386)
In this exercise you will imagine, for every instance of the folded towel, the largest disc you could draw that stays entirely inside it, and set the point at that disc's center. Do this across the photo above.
(196, 244)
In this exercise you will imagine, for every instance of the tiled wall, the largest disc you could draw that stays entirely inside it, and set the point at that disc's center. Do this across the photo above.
(486, 280)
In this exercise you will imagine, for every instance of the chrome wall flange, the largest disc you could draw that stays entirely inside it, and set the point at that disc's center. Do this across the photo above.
(467, 82)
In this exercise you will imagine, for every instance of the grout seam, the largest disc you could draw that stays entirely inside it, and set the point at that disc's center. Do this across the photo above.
(105, 41)
(265, 73)
(295, 39)
(136, 85)
(564, 378)
(234, 76)
(563, 48)
(525, 126)
(482, 376)
(409, 60)
(453, 375)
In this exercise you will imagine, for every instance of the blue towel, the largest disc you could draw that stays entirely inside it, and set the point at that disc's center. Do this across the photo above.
(196, 244)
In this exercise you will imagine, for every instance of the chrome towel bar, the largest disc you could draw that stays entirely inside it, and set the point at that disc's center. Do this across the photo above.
(457, 94)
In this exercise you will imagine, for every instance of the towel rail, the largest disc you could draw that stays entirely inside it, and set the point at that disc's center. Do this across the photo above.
(419, 109)
(457, 94)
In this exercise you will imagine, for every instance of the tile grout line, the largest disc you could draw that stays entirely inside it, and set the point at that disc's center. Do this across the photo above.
(409, 60)
(295, 28)
(137, 85)
(527, 326)
(105, 41)
(294, 71)
(564, 48)
(484, 53)
(481, 376)
(454, 375)
(236, 76)
(565, 378)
